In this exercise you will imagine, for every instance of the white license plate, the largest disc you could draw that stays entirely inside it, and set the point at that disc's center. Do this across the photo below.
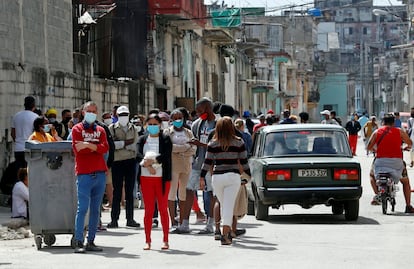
(312, 172)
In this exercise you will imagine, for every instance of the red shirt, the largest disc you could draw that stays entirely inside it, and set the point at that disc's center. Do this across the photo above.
(258, 126)
(390, 145)
(86, 160)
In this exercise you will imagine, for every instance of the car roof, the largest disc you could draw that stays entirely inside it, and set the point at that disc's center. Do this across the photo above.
(307, 126)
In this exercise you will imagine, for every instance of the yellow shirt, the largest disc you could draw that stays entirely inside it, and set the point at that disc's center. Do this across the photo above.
(38, 136)
(369, 128)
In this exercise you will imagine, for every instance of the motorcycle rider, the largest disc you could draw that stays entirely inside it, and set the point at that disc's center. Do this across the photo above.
(386, 142)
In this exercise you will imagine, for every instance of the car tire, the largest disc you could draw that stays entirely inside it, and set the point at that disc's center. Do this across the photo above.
(261, 210)
(250, 208)
(352, 210)
(337, 208)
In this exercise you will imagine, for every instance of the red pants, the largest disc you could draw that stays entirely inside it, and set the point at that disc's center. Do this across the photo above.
(353, 143)
(151, 188)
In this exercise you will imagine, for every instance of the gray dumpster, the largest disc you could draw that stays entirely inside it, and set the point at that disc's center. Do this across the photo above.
(52, 188)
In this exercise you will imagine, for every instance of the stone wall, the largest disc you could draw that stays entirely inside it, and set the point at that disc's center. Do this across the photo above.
(62, 90)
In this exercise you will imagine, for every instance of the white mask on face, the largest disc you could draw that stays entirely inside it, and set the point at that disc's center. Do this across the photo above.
(139, 128)
(108, 121)
(165, 124)
(123, 120)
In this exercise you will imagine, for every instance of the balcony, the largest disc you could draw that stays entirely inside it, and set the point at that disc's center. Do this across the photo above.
(188, 13)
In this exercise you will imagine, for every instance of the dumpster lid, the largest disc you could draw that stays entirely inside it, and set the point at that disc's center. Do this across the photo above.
(49, 146)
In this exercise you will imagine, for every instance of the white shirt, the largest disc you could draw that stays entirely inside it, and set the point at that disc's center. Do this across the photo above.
(20, 196)
(23, 124)
(152, 145)
(179, 138)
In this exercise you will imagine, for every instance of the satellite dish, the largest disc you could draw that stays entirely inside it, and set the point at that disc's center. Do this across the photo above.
(86, 18)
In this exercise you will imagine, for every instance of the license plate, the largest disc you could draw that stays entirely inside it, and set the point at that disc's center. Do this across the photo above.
(312, 172)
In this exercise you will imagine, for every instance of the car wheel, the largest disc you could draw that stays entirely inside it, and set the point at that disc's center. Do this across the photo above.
(352, 210)
(261, 210)
(250, 208)
(337, 208)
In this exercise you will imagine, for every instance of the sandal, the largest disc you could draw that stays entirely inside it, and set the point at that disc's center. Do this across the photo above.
(165, 246)
(147, 246)
(226, 240)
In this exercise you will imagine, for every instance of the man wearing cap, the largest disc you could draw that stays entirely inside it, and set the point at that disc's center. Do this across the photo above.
(326, 114)
(286, 118)
(22, 128)
(248, 120)
(125, 136)
(262, 122)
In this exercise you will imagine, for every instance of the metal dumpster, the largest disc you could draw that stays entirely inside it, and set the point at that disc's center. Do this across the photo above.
(52, 188)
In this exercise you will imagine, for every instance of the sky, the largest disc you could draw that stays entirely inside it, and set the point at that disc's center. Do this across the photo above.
(278, 4)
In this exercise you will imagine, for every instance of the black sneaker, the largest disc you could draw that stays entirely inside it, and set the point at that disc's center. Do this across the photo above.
(113, 224)
(154, 223)
(79, 247)
(133, 223)
(240, 232)
(217, 235)
(409, 209)
(90, 246)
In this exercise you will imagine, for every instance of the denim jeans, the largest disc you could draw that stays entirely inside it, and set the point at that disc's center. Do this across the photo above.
(91, 188)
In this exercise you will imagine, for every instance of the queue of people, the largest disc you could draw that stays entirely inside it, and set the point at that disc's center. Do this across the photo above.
(169, 156)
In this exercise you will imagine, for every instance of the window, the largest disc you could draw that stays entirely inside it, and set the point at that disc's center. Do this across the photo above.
(176, 56)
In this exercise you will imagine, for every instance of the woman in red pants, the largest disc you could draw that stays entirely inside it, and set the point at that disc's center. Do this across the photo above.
(154, 156)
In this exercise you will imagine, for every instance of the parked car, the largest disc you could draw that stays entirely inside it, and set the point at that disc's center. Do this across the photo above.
(303, 164)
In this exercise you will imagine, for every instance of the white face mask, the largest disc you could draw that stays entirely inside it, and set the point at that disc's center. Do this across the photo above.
(165, 124)
(108, 121)
(123, 120)
(139, 128)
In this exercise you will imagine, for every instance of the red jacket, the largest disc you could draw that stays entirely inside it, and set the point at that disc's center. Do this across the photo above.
(86, 160)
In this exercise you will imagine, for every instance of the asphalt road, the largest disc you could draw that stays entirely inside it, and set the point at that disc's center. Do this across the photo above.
(292, 238)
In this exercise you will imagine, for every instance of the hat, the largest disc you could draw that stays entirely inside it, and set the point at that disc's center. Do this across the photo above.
(164, 115)
(261, 117)
(246, 114)
(373, 118)
(51, 111)
(270, 112)
(226, 110)
(122, 110)
(325, 112)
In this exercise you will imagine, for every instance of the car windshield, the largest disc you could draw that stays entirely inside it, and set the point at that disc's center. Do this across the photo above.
(306, 142)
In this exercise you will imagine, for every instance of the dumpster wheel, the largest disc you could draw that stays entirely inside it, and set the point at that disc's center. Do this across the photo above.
(38, 240)
(49, 239)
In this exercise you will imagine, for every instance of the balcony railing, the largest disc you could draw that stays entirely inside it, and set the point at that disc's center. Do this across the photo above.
(194, 10)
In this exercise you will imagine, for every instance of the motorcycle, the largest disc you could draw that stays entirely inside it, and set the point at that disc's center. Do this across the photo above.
(387, 190)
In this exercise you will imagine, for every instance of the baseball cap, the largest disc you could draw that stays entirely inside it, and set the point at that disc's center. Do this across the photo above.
(246, 114)
(261, 116)
(122, 110)
(325, 112)
(51, 111)
(270, 112)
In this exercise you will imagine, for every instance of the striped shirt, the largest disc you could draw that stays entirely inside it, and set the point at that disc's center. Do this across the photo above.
(225, 161)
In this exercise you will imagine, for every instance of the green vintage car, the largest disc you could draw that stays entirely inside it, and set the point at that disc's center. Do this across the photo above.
(303, 164)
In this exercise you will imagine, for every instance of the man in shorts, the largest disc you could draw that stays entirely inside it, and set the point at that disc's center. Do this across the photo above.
(387, 141)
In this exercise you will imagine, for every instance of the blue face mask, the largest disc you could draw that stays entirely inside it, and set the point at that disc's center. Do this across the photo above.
(153, 129)
(46, 128)
(178, 123)
(90, 117)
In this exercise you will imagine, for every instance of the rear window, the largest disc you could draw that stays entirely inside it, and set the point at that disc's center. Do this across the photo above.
(306, 142)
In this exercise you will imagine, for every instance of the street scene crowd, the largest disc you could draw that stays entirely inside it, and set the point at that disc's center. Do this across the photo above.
(164, 158)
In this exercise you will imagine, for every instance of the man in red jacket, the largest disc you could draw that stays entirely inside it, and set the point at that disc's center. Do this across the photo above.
(89, 144)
